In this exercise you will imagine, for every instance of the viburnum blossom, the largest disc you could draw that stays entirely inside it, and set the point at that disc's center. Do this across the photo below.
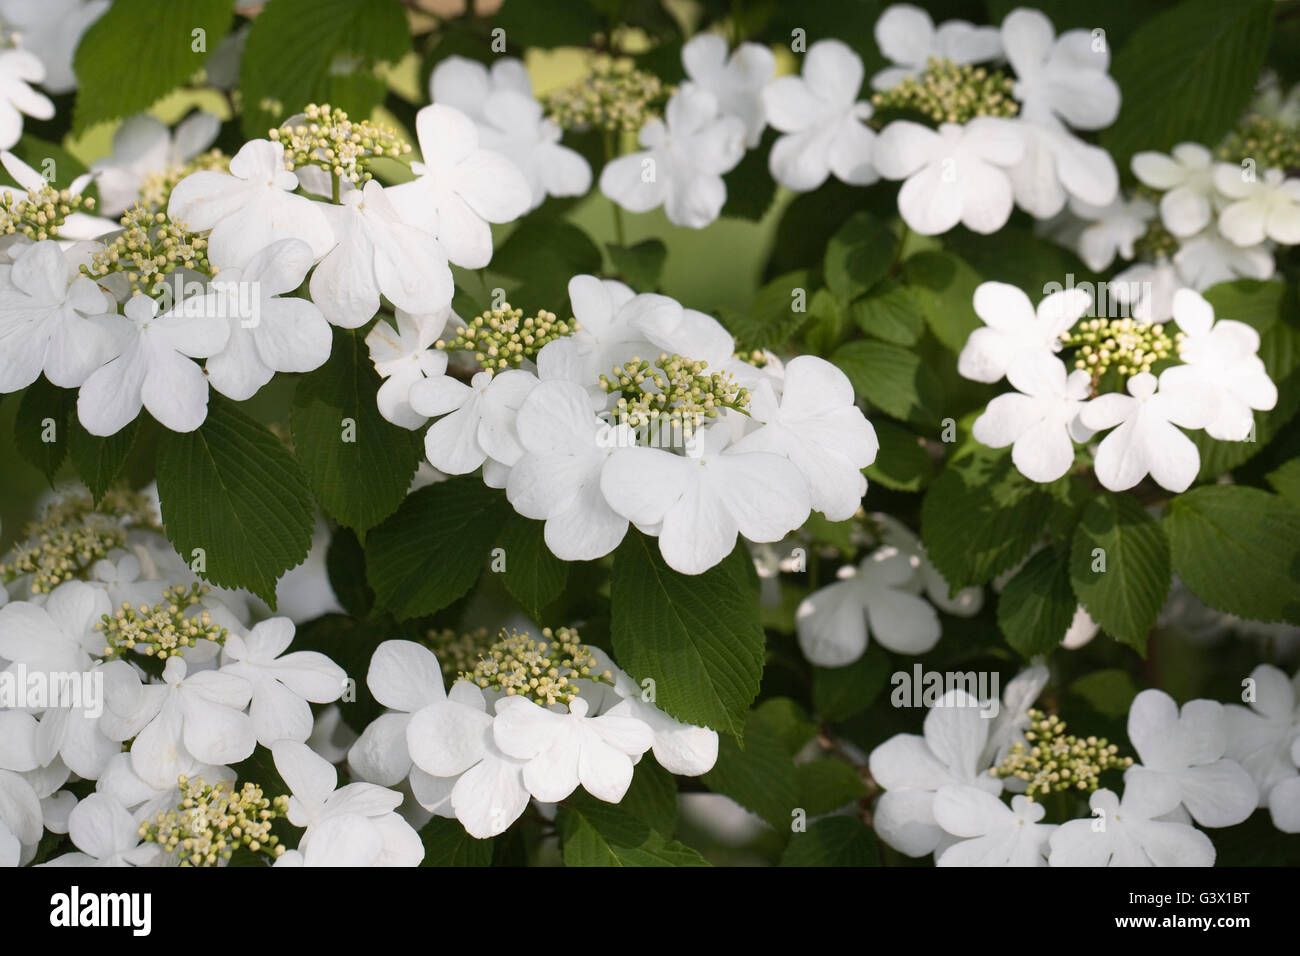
(908, 38)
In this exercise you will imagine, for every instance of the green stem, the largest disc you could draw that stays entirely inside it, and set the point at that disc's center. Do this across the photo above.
(610, 148)
(334, 188)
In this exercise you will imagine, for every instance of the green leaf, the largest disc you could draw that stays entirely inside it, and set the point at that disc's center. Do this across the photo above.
(944, 287)
(1126, 595)
(1187, 74)
(652, 798)
(99, 460)
(1109, 692)
(430, 552)
(788, 721)
(697, 636)
(447, 844)
(902, 464)
(981, 516)
(1036, 606)
(641, 265)
(826, 785)
(541, 255)
(534, 576)
(549, 25)
(892, 378)
(858, 256)
(750, 186)
(762, 777)
(1286, 481)
(63, 167)
(41, 426)
(835, 841)
(318, 51)
(231, 489)
(345, 563)
(1256, 302)
(890, 311)
(842, 692)
(600, 834)
(140, 50)
(359, 464)
(1238, 550)
(779, 310)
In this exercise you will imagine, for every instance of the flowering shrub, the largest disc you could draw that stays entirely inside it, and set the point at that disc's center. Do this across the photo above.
(649, 434)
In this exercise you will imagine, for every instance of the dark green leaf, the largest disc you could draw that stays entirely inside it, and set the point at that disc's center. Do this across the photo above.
(1036, 606)
(534, 576)
(41, 426)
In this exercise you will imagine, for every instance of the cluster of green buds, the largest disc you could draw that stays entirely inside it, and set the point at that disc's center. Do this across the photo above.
(156, 187)
(1049, 760)
(1157, 242)
(457, 651)
(614, 97)
(212, 821)
(950, 93)
(1124, 344)
(40, 213)
(162, 630)
(1269, 141)
(545, 671)
(672, 388)
(755, 357)
(150, 247)
(503, 338)
(72, 534)
(324, 136)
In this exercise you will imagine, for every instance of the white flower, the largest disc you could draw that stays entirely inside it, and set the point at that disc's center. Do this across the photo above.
(51, 29)
(1260, 208)
(1112, 230)
(958, 174)
(270, 330)
(282, 684)
(378, 253)
(815, 423)
(701, 503)
(460, 188)
(186, 718)
(347, 839)
(1147, 289)
(834, 623)
(52, 320)
(510, 122)
(402, 357)
(1261, 737)
(457, 760)
(907, 37)
(1188, 749)
(964, 603)
(1059, 78)
(479, 418)
(1222, 358)
(824, 122)
(993, 833)
(143, 145)
(1132, 832)
(1146, 441)
(106, 834)
(20, 816)
(737, 83)
(681, 749)
(317, 798)
(153, 369)
(1284, 798)
(250, 207)
(1040, 420)
(1014, 331)
(57, 636)
(557, 479)
(19, 69)
(912, 769)
(564, 750)
(681, 163)
(1186, 176)
(1209, 258)
(405, 678)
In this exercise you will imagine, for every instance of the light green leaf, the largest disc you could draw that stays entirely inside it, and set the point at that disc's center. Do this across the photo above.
(892, 378)
(890, 311)
(944, 287)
